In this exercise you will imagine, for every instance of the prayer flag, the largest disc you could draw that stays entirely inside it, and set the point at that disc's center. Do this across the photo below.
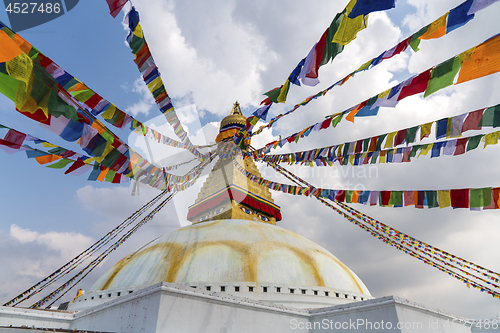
(436, 29)
(443, 75)
(459, 198)
(349, 27)
(364, 7)
(444, 198)
(473, 121)
(115, 6)
(485, 60)
(491, 116)
(417, 85)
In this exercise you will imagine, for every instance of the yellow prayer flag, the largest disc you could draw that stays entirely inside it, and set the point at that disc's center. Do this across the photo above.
(349, 27)
(138, 31)
(49, 145)
(484, 60)
(110, 112)
(389, 141)
(425, 149)
(364, 66)
(155, 84)
(436, 29)
(444, 198)
(383, 157)
(491, 138)
(385, 93)
(284, 91)
(9, 49)
(425, 130)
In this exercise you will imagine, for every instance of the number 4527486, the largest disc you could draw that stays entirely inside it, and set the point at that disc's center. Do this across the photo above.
(27, 8)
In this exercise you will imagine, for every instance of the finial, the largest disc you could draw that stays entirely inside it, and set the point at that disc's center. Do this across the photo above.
(236, 109)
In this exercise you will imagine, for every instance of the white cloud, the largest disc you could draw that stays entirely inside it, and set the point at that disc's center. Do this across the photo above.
(28, 256)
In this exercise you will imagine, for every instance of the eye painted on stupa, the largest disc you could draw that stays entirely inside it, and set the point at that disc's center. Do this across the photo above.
(263, 218)
(246, 210)
(219, 210)
(205, 217)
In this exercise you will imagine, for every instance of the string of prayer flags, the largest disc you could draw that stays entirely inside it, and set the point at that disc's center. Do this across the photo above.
(486, 198)
(367, 223)
(146, 65)
(418, 249)
(369, 149)
(411, 86)
(96, 104)
(422, 251)
(440, 77)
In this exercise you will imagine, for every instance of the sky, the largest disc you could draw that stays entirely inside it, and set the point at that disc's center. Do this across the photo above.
(211, 53)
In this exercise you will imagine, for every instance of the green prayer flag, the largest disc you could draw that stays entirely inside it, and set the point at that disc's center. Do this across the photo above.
(57, 150)
(411, 134)
(83, 95)
(8, 86)
(366, 143)
(110, 175)
(60, 164)
(397, 198)
(336, 120)
(414, 150)
(443, 75)
(348, 196)
(332, 49)
(414, 41)
(491, 116)
(432, 201)
(379, 141)
(480, 197)
(273, 94)
(474, 142)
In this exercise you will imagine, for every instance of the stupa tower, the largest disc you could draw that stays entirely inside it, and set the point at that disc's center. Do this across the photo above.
(227, 193)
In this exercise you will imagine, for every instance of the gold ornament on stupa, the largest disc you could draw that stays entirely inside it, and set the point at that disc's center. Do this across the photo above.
(227, 193)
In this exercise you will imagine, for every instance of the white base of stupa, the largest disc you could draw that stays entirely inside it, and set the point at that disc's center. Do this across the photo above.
(168, 307)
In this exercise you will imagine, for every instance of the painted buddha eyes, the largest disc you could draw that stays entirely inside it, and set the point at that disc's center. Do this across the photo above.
(246, 210)
(218, 211)
(204, 217)
(263, 218)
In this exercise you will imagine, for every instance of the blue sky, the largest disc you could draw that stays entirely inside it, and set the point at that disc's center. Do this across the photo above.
(211, 53)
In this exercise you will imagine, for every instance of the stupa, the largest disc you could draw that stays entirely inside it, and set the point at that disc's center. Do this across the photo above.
(232, 270)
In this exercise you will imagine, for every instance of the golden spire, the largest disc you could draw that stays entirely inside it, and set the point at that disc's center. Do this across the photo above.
(229, 194)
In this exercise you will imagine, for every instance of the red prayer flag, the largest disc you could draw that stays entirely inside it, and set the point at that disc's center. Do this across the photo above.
(340, 196)
(460, 148)
(473, 121)
(115, 6)
(400, 137)
(402, 46)
(319, 51)
(420, 199)
(417, 85)
(77, 164)
(460, 198)
(14, 139)
(385, 196)
(326, 123)
(359, 147)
